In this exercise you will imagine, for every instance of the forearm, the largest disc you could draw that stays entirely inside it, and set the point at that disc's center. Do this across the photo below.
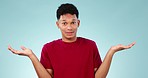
(104, 68)
(40, 70)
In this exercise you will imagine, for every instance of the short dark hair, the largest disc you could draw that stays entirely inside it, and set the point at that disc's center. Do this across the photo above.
(67, 8)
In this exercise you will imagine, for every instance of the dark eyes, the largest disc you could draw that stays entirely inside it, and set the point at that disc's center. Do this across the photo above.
(73, 22)
(65, 23)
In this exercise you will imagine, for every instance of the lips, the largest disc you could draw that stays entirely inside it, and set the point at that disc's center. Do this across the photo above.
(69, 33)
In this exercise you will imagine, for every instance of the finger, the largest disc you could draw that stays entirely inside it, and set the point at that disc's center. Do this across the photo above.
(125, 47)
(11, 49)
(132, 44)
(122, 47)
(23, 48)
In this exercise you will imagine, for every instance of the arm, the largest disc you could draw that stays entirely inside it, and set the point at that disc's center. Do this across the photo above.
(40, 70)
(104, 68)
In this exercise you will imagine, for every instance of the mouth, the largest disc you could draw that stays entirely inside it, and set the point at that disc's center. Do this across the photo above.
(69, 33)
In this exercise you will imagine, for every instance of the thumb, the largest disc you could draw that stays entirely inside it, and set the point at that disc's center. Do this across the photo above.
(23, 48)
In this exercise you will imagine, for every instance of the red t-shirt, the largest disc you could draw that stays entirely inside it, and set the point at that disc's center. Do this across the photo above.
(71, 60)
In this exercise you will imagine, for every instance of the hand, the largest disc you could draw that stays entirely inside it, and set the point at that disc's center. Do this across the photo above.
(121, 47)
(24, 51)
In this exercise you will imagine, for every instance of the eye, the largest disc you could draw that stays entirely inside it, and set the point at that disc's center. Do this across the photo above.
(64, 23)
(73, 23)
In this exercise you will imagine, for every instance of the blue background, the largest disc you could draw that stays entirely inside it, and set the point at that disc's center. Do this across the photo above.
(108, 22)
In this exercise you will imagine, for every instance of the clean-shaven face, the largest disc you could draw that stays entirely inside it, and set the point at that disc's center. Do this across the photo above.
(68, 24)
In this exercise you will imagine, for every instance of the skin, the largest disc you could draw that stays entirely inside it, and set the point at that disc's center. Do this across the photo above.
(104, 68)
(68, 25)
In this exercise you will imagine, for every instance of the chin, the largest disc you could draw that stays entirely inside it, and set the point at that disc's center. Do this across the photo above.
(70, 37)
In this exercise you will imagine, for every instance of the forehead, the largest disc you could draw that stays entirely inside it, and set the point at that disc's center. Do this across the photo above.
(68, 17)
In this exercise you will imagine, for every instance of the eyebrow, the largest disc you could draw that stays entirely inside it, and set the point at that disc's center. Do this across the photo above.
(65, 20)
(62, 20)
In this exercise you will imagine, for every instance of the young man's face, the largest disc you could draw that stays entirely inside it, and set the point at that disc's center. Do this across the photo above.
(68, 25)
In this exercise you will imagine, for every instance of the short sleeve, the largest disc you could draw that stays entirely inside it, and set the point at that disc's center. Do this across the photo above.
(45, 58)
(96, 56)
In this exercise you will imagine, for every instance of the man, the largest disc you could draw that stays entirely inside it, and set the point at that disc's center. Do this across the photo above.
(70, 56)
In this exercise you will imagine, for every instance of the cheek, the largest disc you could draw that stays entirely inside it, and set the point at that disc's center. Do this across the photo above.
(62, 29)
(75, 28)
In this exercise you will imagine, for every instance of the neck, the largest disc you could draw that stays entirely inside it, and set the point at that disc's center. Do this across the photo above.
(69, 40)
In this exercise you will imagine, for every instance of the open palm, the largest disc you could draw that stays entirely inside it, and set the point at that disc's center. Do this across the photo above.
(25, 51)
(121, 47)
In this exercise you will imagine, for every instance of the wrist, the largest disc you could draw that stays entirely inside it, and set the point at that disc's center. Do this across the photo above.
(111, 52)
(31, 55)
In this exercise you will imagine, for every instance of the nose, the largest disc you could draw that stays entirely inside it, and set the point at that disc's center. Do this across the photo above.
(69, 27)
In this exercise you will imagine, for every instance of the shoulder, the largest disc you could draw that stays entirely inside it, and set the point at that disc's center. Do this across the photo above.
(86, 40)
(52, 43)
(88, 43)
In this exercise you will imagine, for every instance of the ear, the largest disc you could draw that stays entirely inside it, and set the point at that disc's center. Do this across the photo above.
(57, 23)
(78, 23)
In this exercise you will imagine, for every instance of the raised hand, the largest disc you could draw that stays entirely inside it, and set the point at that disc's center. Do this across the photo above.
(40, 70)
(25, 51)
(104, 68)
(121, 47)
